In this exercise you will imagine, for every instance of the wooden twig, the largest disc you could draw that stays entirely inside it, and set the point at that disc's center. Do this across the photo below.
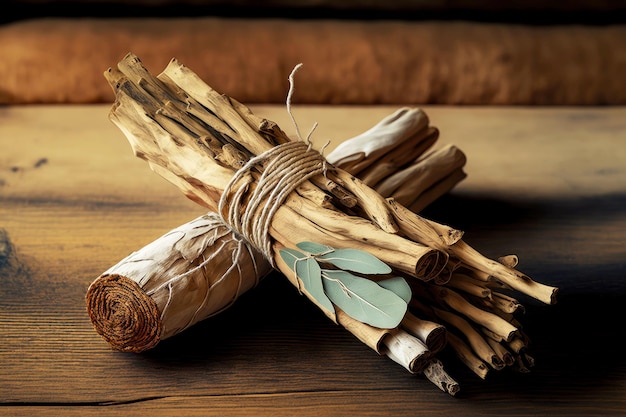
(432, 334)
(407, 351)
(435, 372)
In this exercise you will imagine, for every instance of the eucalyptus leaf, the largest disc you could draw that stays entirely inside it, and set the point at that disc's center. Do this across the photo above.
(398, 286)
(308, 270)
(291, 256)
(356, 260)
(363, 299)
(314, 248)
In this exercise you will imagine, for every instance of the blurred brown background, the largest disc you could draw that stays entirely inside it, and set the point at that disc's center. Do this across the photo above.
(354, 52)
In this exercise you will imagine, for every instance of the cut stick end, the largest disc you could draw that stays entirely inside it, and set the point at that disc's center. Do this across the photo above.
(436, 374)
(544, 293)
(431, 265)
(407, 350)
(437, 339)
(553, 299)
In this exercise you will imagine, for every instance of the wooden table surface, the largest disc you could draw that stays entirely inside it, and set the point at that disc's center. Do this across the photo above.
(547, 184)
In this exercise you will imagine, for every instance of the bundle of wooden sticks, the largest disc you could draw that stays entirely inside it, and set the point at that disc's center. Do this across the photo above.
(342, 228)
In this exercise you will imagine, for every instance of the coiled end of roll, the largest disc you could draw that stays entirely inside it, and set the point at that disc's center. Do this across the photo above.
(123, 314)
(431, 265)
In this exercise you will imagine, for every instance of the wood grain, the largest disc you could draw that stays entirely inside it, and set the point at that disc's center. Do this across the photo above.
(548, 184)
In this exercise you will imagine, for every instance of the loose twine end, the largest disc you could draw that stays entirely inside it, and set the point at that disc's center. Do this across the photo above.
(286, 166)
(293, 119)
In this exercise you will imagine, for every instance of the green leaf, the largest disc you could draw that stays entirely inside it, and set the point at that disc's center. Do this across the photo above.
(291, 256)
(314, 248)
(398, 286)
(363, 299)
(356, 260)
(308, 270)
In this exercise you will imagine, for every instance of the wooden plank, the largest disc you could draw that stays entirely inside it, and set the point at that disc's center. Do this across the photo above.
(396, 403)
(548, 184)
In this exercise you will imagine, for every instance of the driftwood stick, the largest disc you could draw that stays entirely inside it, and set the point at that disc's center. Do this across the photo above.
(491, 322)
(467, 356)
(469, 285)
(368, 148)
(333, 229)
(506, 303)
(432, 193)
(509, 276)
(373, 203)
(473, 337)
(400, 156)
(503, 353)
(422, 174)
(423, 230)
(509, 260)
(517, 345)
(408, 351)
(435, 372)
(436, 235)
(432, 334)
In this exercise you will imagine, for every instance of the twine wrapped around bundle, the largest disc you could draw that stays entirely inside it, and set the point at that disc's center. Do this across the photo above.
(224, 157)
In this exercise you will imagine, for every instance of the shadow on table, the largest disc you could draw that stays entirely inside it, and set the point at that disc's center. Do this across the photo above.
(578, 245)
(570, 244)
